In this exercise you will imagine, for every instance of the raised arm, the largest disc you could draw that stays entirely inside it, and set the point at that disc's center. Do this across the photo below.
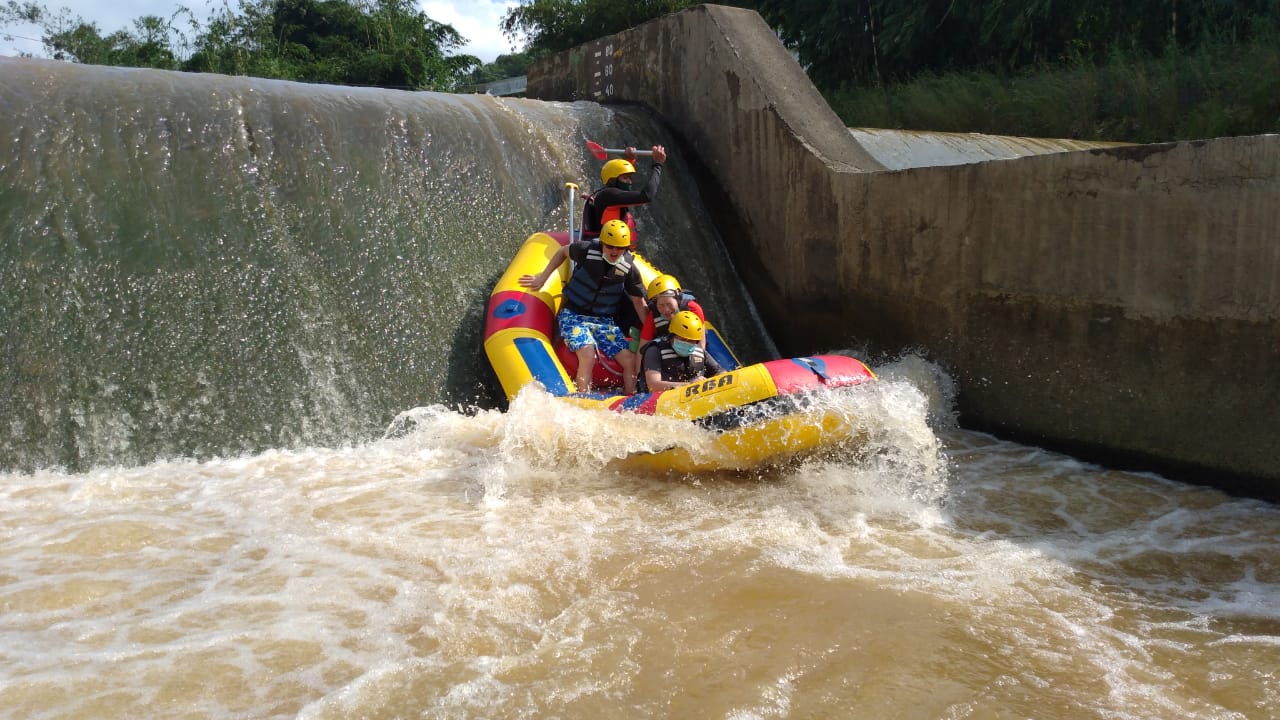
(650, 189)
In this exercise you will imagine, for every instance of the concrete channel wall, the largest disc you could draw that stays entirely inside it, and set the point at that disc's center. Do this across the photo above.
(1120, 303)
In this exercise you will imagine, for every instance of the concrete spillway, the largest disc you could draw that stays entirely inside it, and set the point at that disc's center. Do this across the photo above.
(1113, 300)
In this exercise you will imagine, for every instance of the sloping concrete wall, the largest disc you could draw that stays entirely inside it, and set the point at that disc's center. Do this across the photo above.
(1121, 301)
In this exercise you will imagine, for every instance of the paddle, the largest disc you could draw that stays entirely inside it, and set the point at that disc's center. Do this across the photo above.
(601, 152)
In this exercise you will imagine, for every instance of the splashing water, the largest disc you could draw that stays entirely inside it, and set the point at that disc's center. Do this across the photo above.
(252, 279)
(496, 564)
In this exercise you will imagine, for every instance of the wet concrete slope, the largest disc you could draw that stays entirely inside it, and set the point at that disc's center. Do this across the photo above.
(1118, 301)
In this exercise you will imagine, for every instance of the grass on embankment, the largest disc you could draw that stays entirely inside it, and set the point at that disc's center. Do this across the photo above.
(1213, 92)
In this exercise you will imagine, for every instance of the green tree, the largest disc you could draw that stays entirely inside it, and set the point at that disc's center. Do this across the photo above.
(384, 43)
(387, 43)
(504, 66)
(154, 42)
(873, 41)
(554, 25)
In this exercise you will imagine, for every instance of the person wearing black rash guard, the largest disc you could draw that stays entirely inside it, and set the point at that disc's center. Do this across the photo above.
(615, 200)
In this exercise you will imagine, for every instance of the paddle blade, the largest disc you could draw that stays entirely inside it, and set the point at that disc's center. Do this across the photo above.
(597, 149)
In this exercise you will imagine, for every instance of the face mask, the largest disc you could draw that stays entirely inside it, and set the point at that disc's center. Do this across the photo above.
(612, 262)
(683, 348)
(624, 185)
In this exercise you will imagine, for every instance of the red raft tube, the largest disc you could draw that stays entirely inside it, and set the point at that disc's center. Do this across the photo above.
(748, 416)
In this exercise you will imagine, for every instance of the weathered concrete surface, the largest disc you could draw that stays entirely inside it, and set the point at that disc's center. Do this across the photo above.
(902, 149)
(1121, 301)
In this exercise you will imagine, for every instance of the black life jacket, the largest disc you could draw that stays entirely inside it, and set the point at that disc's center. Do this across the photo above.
(661, 324)
(675, 368)
(596, 287)
(591, 224)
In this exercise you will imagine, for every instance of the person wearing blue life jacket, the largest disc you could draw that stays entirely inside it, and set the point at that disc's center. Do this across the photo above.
(615, 199)
(677, 358)
(605, 276)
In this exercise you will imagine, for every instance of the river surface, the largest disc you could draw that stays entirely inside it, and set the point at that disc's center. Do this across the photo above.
(495, 565)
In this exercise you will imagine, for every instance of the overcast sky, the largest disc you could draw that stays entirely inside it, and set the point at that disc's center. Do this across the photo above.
(475, 20)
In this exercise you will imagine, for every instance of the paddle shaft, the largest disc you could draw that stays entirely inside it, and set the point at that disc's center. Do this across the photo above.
(623, 151)
(601, 152)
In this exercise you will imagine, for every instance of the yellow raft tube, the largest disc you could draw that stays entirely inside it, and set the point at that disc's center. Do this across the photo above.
(761, 413)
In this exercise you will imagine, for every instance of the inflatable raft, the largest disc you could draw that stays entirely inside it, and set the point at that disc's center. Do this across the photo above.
(751, 414)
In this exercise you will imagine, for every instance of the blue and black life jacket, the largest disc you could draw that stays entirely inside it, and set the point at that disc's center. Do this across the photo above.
(596, 287)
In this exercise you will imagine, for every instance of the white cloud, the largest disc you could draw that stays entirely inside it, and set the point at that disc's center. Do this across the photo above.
(477, 21)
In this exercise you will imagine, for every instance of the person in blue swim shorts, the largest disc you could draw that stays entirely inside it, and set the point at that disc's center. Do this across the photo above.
(605, 274)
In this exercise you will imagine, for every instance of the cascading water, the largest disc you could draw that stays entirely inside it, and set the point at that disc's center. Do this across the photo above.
(215, 295)
(200, 265)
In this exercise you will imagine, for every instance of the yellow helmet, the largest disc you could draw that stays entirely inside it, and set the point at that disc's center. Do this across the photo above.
(615, 233)
(614, 168)
(662, 284)
(685, 324)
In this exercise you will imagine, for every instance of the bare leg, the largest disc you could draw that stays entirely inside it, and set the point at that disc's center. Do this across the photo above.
(628, 361)
(586, 365)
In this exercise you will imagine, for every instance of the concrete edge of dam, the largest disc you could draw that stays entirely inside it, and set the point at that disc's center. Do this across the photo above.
(1118, 302)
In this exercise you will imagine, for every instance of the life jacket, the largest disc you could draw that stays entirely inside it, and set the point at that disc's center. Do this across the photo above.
(596, 287)
(660, 323)
(674, 368)
(591, 227)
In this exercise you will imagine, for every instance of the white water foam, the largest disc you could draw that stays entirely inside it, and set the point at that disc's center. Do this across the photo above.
(495, 564)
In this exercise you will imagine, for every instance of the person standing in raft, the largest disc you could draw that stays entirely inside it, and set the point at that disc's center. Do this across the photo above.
(615, 199)
(677, 358)
(604, 275)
